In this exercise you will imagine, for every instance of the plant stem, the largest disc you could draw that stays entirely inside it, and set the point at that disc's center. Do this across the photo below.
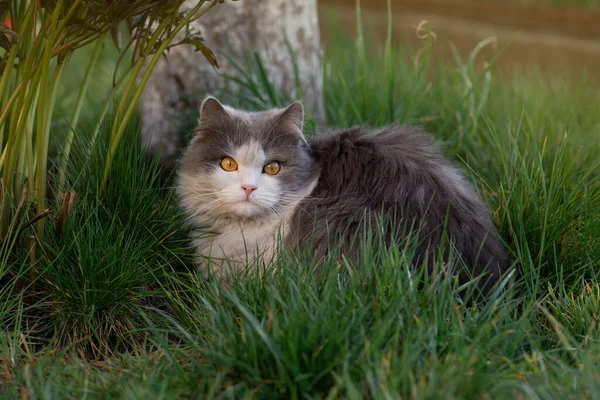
(112, 94)
(118, 133)
(75, 117)
(44, 114)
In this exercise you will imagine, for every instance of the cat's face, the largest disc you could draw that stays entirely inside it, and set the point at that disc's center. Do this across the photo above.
(246, 165)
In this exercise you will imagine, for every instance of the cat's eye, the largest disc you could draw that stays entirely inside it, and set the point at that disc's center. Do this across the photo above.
(229, 164)
(272, 168)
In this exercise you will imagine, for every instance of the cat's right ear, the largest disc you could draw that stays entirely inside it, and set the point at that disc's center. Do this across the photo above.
(211, 111)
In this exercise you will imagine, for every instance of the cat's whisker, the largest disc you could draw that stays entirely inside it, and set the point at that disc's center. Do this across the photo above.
(207, 191)
(278, 136)
(293, 195)
(303, 209)
(274, 211)
(207, 206)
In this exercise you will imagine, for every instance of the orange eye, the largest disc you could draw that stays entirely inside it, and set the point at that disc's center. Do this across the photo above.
(229, 164)
(272, 168)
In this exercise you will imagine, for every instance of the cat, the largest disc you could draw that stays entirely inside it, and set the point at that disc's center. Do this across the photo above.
(250, 181)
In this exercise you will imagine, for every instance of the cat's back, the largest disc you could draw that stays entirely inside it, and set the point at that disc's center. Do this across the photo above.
(393, 141)
(387, 165)
(399, 171)
(395, 168)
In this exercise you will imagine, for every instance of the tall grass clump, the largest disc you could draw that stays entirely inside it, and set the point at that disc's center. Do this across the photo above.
(113, 257)
(98, 281)
(91, 287)
(37, 47)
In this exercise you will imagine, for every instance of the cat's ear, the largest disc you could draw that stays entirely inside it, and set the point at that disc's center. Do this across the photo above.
(292, 118)
(211, 111)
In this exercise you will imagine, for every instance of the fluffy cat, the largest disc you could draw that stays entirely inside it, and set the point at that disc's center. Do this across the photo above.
(250, 180)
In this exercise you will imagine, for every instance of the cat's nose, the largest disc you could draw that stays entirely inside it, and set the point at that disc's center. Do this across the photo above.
(248, 189)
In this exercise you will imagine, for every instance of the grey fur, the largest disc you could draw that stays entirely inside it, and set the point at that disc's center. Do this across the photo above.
(395, 171)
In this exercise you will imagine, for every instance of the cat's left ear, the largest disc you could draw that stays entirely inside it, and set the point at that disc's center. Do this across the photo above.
(292, 118)
(212, 112)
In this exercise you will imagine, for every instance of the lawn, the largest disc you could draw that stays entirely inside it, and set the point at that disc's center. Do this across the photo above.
(110, 308)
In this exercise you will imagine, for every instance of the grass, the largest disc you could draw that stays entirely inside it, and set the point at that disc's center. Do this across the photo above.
(109, 308)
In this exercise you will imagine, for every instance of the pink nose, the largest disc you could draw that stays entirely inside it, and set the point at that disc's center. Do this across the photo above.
(248, 189)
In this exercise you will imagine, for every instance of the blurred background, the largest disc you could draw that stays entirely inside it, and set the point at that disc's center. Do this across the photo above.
(557, 37)
(554, 41)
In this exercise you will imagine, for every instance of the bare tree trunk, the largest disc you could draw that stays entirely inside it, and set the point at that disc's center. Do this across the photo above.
(170, 101)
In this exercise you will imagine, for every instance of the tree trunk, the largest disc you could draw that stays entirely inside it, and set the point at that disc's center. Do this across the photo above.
(169, 105)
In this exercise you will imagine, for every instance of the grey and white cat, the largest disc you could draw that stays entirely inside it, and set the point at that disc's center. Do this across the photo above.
(251, 179)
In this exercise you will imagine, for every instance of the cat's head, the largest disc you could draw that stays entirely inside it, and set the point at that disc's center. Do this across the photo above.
(246, 164)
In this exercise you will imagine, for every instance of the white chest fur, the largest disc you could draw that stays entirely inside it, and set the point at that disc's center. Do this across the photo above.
(237, 245)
